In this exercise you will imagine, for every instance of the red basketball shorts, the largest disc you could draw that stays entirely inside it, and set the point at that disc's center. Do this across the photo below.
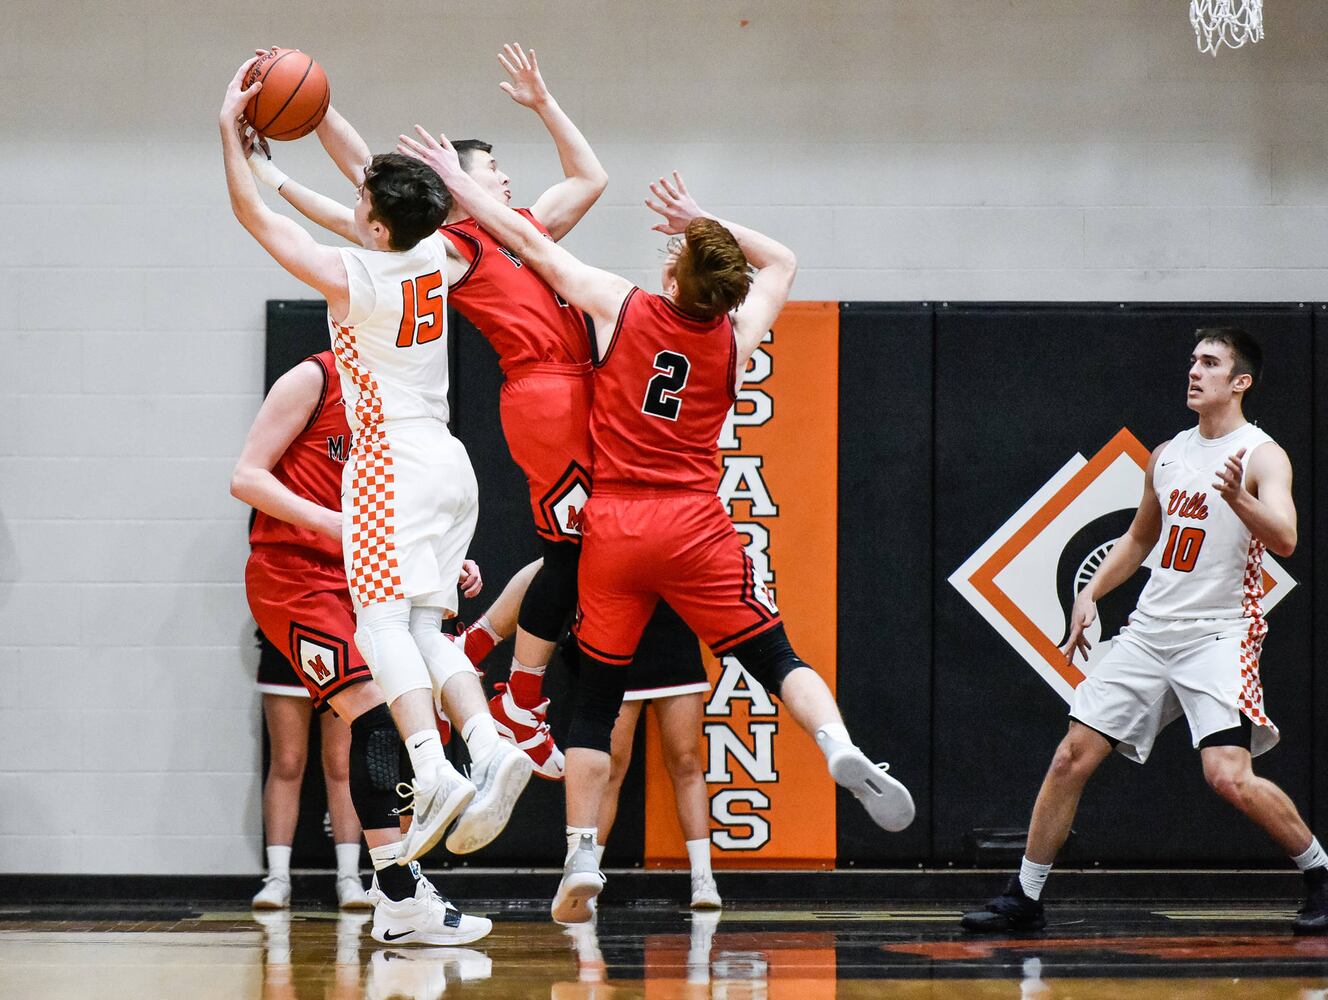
(679, 546)
(303, 607)
(545, 410)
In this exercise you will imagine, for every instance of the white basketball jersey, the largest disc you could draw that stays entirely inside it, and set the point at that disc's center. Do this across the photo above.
(1210, 565)
(391, 350)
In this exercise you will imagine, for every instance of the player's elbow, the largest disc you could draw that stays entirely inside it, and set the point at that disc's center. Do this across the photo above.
(1284, 544)
(242, 481)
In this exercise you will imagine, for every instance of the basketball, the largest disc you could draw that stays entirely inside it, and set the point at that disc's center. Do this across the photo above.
(294, 97)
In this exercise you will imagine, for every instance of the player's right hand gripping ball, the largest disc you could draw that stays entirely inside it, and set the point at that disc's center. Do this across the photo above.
(294, 97)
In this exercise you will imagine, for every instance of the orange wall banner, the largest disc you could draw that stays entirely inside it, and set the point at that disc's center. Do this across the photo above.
(772, 803)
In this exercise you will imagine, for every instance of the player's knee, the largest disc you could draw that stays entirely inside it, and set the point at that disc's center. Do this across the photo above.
(1229, 780)
(682, 762)
(599, 694)
(551, 596)
(441, 656)
(1072, 761)
(374, 768)
(769, 658)
(336, 765)
(288, 763)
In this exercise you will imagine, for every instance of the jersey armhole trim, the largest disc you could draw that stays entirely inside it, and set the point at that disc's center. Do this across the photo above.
(322, 396)
(733, 360)
(617, 327)
(449, 231)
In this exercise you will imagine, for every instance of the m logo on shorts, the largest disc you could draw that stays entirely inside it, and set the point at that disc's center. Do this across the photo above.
(1023, 579)
(564, 505)
(321, 657)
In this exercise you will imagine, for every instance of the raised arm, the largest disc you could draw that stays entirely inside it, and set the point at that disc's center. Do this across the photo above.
(562, 206)
(281, 418)
(1121, 563)
(317, 208)
(1261, 497)
(317, 266)
(597, 292)
(775, 264)
(348, 151)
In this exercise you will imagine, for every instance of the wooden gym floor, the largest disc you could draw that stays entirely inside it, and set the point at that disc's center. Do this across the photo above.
(661, 952)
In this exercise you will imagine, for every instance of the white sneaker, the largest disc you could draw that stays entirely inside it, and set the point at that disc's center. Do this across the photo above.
(582, 882)
(436, 804)
(275, 894)
(423, 973)
(425, 918)
(886, 800)
(499, 779)
(705, 894)
(351, 894)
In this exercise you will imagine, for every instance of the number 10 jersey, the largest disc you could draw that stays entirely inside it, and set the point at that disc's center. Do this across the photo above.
(1211, 566)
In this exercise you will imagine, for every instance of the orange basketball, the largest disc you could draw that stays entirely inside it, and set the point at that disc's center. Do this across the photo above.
(294, 97)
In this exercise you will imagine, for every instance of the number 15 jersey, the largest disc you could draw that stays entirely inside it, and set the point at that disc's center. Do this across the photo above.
(1211, 566)
(391, 350)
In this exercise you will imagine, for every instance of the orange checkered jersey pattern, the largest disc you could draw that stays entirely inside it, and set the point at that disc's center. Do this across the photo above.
(371, 555)
(1250, 700)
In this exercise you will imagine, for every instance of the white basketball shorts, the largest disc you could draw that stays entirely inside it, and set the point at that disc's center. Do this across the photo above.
(1159, 669)
(409, 507)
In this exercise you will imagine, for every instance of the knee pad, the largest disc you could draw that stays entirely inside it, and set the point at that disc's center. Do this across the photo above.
(375, 768)
(599, 695)
(551, 596)
(382, 633)
(442, 658)
(768, 657)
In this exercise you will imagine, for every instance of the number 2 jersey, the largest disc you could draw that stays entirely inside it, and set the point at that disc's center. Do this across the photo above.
(662, 393)
(1211, 566)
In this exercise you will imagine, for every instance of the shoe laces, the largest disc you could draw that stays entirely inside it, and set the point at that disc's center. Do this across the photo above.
(405, 790)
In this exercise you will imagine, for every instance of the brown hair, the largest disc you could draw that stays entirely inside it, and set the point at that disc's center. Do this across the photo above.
(711, 270)
(1246, 355)
(407, 197)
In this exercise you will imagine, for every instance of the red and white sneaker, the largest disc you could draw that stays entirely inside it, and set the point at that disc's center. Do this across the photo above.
(476, 642)
(527, 730)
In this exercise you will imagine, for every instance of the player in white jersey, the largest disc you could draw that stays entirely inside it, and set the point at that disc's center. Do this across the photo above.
(410, 503)
(1215, 497)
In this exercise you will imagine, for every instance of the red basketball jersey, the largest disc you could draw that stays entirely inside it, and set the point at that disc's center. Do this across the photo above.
(311, 468)
(662, 393)
(522, 317)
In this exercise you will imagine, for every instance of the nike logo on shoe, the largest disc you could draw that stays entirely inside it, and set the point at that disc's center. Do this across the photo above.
(389, 936)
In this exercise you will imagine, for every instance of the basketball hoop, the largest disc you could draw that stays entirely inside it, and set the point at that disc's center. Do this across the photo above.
(1226, 22)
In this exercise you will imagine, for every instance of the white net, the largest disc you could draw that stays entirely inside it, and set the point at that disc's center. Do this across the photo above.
(1226, 22)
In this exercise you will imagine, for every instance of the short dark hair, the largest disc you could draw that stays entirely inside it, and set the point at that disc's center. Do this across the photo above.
(467, 148)
(712, 272)
(1246, 354)
(406, 196)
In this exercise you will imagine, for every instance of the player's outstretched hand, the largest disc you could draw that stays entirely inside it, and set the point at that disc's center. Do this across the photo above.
(527, 86)
(232, 105)
(1082, 615)
(1231, 478)
(437, 153)
(675, 204)
(470, 582)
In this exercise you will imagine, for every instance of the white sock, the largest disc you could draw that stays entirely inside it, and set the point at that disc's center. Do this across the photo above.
(1032, 877)
(831, 737)
(698, 855)
(523, 668)
(1314, 857)
(487, 627)
(426, 753)
(348, 859)
(385, 855)
(278, 861)
(574, 835)
(481, 735)
(599, 853)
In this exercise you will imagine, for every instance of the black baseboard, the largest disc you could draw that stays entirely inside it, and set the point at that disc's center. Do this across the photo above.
(880, 887)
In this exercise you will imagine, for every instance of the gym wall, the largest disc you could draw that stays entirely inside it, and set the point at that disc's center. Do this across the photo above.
(946, 151)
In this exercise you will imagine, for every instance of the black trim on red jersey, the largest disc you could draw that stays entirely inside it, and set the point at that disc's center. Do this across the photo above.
(322, 396)
(610, 659)
(683, 314)
(455, 230)
(617, 328)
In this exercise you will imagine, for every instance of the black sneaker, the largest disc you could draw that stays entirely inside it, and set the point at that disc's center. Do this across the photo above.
(1013, 911)
(1312, 918)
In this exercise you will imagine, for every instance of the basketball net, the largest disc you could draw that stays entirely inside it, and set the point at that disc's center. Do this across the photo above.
(1226, 22)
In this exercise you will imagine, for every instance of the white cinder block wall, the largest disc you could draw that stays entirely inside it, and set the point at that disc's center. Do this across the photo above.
(947, 149)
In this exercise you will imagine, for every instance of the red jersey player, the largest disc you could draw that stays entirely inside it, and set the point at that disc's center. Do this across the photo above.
(544, 349)
(667, 375)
